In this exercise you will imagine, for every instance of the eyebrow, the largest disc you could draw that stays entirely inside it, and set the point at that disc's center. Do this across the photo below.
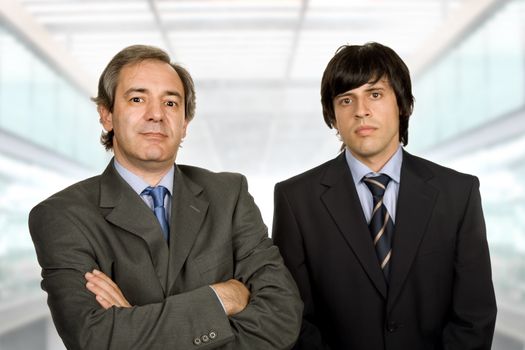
(382, 82)
(144, 90)
(372, 87)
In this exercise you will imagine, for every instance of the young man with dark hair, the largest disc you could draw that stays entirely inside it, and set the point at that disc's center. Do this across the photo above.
(389, 250)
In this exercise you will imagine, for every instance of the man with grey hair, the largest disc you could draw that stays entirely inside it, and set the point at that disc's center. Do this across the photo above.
(156, 255)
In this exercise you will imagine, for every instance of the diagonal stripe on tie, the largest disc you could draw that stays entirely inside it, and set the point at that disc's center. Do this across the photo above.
(381, 225)
(379, 234)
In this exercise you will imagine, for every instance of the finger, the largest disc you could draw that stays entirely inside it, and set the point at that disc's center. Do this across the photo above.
(115, 290)
(102, 280)
(103, 285)
(110, 287)
(103, 302)
(102, 292)
(106, 288)
(105, 277)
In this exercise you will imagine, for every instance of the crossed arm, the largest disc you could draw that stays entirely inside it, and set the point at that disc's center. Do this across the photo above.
(262, 312)
(234, 295)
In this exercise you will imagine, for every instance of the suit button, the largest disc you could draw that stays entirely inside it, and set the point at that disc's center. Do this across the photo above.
(392, 327)
(212, 335)
(197, 341)
(205, 338)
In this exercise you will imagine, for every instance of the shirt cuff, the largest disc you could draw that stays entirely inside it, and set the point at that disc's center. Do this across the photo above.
(220, 301)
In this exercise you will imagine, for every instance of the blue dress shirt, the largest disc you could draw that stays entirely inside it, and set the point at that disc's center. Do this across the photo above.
(392, 168)
(138, 185)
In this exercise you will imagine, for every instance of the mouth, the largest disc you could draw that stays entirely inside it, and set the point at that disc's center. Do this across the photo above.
(153, 134)
(365, 130)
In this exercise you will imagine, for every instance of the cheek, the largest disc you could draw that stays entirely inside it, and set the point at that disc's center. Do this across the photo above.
(118, 127)
(394, 122)
(125, 130)
(178, 125)
(344, 124)
(342, 121)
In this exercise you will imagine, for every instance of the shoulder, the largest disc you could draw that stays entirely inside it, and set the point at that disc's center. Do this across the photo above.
(310, 177)
(82, 193)
(439, 176)
(212, 181)
(198, 174)
(437, 170)
(222, 190)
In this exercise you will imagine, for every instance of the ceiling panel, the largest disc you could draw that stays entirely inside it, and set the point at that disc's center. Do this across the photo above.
(257, 63)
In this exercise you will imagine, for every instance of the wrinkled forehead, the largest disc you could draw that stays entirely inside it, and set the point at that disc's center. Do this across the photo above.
(150, 75)
(146, 68)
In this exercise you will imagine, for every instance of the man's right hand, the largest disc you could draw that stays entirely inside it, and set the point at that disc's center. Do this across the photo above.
(233, 294)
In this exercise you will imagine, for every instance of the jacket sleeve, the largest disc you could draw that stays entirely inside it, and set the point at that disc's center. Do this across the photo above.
(272, 318)
(286, 234)
(473, 305)
(193, 319)
(65, 255)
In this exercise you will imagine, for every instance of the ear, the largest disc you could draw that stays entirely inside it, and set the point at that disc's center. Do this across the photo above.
(106, 118)
(185, 127)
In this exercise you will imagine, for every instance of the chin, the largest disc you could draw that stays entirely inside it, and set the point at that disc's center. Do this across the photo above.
(159, 159)
(156, 155)
(159, 151)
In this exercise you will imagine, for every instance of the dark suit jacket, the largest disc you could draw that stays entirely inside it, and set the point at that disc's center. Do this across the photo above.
(216, 234)
(440, 294)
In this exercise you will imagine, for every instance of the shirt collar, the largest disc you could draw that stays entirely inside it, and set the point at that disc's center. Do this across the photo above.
(138, 184)
(392, 168)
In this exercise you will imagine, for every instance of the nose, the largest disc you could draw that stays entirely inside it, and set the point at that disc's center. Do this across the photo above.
(362, 109)
(155, 112)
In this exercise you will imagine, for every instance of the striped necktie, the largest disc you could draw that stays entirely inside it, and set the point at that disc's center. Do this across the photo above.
(381, 225)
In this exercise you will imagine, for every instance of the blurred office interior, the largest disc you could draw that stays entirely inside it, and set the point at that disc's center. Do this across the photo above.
(257, 65)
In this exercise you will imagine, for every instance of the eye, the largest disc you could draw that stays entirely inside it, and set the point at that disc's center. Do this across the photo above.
(171, 103)
(346, 101)
(136, 99)
(375, 95)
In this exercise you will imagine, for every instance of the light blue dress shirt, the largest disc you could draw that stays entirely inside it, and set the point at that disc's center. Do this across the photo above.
(392, 168)
(138, 185)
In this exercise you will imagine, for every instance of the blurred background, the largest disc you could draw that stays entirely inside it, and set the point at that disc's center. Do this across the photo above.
(257, 65)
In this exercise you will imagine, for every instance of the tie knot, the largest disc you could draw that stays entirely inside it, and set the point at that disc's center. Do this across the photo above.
(377, 184)
(157, 193)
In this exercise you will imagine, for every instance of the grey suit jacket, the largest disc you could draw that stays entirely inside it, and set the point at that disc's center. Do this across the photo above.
(216, 234)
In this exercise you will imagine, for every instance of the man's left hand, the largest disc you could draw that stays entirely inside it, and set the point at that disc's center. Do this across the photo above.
(106, 291)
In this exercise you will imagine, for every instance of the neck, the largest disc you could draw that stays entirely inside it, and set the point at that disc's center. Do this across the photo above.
(150, 172)
(375, 162)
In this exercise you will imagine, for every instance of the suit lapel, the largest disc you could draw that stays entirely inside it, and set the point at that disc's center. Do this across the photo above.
(187, 214)
(342, 202)
(125, 209)
(416, 200)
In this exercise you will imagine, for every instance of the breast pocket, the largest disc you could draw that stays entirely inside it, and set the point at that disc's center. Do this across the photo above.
(216, 265)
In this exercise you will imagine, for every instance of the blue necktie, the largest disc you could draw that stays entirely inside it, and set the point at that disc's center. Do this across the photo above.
(381, 225)
(158, 193)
